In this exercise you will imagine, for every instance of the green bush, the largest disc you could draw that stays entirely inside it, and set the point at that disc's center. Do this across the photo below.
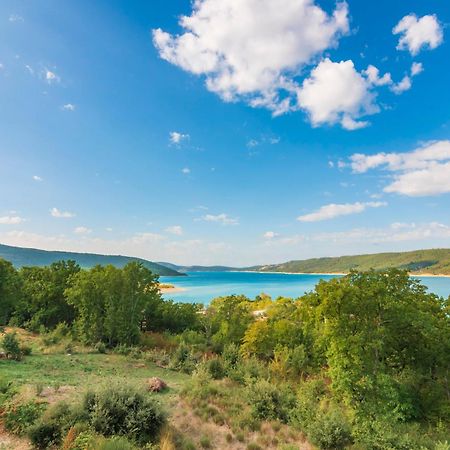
(269, 401)
(215, 368)
(183, 359)
(11, 346)
(100, 347)
(115, 443)
(45, 434)
(19, 417)
(7, 390)
(330, 431)
(124, 411)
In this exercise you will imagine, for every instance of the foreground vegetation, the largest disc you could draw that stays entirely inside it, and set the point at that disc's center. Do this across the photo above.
(435, 261)
(363, 362)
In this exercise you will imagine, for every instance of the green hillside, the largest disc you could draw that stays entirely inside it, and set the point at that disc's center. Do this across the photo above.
(433, 261)
(33, 257)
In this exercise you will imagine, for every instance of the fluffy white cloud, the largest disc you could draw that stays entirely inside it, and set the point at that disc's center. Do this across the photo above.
(402, 86)
(176, 138)
(175, 229)
(373, 75)
(421, 172)
(433, 180)
(397, 232)
(337, 92)
(186, 170)
(418, 33)
(69, 107)
(252, 49)
(11, 220)
(270, 235)
(55, 212)
(223, 219)
(37, 178)
(82, 230)
(333, 210)
(416, 68)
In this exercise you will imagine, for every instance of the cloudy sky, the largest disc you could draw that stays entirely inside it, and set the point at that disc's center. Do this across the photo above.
(225, 131)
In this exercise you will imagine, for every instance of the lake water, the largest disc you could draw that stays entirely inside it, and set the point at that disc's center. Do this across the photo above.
(202, 287)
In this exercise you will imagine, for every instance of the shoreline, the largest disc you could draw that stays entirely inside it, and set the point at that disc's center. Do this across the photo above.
(427, 275)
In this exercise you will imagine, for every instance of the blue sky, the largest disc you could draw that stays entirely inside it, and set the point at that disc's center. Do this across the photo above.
(291, 129)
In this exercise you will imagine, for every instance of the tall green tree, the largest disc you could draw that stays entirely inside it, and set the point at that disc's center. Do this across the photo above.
(44, 294)
(384, 338)
(11, 291)
(111, 302)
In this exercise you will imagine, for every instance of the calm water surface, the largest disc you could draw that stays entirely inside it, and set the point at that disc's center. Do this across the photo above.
(202, 287)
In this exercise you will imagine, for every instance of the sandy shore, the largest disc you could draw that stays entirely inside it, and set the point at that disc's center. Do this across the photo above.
(170, 290)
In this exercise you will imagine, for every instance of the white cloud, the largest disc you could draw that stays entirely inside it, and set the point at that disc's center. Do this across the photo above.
(416, 68)
(69, 107)
(82, 230)
(175, 229)
(51, 77)
(270, 235)
(421, 172)
(402, 86)
(373, 75)
(333, 210)
(223, 219)
(186, 170)
(37, 178)
(15, 18)
(11, 220)
(177, 138)
(337, 93)
(55, 212)
(252, 50)
(433, 180)
(418, 33)
(395, 233)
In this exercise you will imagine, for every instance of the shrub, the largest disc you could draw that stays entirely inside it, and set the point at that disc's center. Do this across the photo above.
(330, 431)
(11, 346)
(183, 359)
(45, 434)
(270, 401)
(124, 411)
(100, 347)
(215, 368)
(26, 350)
(18, 418)
(115, 443)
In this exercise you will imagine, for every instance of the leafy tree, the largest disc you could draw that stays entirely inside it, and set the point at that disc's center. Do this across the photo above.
(229, 318)
(45, 303)
(383, 336)
(111, 302)
(10, 291)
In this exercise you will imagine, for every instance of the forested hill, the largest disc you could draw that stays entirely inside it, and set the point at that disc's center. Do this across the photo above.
(20, 257)
(434, 261)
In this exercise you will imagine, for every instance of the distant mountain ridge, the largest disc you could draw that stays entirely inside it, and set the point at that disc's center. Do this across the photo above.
(432, 261)
(20, 257)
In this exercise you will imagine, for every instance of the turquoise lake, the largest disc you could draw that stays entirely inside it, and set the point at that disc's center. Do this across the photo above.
(202, 287)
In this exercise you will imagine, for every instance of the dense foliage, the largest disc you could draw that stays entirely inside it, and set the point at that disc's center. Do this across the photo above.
(361, 361)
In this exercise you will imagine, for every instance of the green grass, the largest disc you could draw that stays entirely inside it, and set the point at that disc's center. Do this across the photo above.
(88, 371)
